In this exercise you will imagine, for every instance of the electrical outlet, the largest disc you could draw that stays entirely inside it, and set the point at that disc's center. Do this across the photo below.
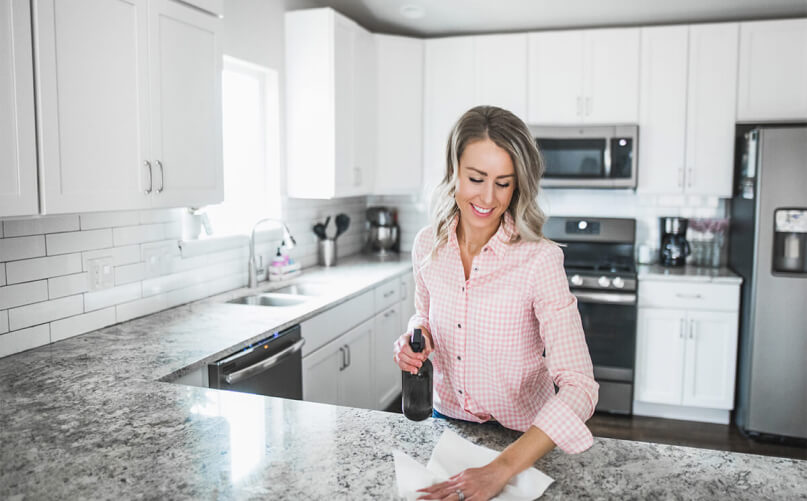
(158, 258)
(102, 273)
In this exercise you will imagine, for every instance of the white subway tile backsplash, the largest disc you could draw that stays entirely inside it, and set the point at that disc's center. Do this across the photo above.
(68, 285)
(43, 267)
(160, 215)
(2, 273)
(3, 321)
(25, 339)
(96, 220)
(79, 324)
(46, 311)
(77, 241)
(129, 273)
(120, 255)
(128, 235)
(172, 230)
(21, 294)
(110, 297)
(12, 249)
(140, 307)
(40, 225)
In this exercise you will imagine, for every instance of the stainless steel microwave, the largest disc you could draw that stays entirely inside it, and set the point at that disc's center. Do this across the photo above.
(588, 157)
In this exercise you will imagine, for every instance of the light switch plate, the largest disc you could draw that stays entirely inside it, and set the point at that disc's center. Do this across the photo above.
(102, 273)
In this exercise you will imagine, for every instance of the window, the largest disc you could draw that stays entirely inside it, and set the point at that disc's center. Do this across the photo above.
(251, 148)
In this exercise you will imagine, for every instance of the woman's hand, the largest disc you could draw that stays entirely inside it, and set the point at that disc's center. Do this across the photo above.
(407, 359)
(476, 484)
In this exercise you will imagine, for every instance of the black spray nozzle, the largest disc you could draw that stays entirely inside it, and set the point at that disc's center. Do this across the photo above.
(416, 343)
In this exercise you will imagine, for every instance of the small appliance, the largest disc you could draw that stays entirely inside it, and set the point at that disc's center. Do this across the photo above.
(382, 235)
(674, 247)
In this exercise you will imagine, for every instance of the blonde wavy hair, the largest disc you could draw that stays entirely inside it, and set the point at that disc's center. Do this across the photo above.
(511, 134)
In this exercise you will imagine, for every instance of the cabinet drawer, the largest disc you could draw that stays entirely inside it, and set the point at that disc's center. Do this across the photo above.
(694, 296)
(328, 325)
(387, 294)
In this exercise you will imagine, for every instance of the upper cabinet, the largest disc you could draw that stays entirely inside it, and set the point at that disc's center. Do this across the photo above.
(463, 72)
(18, 185)
(330, 105)
(129, 105)
(688, 95)
(773, 71)
(584, 77)
(399, 115)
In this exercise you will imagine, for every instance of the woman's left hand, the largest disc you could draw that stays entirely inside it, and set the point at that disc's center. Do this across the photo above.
(476, 484)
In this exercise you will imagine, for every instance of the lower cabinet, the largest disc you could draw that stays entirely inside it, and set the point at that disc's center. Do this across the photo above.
(386, 374)
(686, 356)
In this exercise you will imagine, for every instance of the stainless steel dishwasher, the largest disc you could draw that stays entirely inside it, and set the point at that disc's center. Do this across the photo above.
(271, 367)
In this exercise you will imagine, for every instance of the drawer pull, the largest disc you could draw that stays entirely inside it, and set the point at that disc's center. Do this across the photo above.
(390, 312)
(388, 294)
(688, 296)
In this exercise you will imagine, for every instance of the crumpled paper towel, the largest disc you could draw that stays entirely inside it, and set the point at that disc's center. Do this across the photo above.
(454, 454)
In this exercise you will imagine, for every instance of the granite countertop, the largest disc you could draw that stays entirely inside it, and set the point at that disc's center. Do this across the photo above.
(89, 417)
(687, 273)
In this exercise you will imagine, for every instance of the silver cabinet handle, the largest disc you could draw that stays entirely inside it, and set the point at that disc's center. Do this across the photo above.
(690, 177)
(390, 312)
(588, 106)
(388, 294)
(579, 105)
(347, 348)
(691, 329)
(342, 351)
(162, 177)
(681, 333)
(264, 365)
(688, 296)
(151, 179)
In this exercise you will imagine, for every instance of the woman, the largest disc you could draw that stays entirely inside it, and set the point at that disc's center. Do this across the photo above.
(492, 300)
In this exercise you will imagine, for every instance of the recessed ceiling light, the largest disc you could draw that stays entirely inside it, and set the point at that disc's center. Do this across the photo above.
(412, 11)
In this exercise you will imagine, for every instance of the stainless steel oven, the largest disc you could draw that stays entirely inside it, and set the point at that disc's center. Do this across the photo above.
(272, 367)
(598, 258)
(588, 157)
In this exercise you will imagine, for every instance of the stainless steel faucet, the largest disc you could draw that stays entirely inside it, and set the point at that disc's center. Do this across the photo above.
(288, 242)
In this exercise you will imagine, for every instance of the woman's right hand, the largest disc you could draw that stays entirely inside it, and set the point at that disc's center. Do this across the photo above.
(407, 359)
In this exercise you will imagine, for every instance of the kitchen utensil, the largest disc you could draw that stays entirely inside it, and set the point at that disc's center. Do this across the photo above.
(342, 224)
(319, 230)
(382, 238)
(327, 222)
(326, 252)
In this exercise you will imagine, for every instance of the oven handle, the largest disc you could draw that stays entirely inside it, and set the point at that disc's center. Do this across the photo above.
(606, 297)
(265, 364)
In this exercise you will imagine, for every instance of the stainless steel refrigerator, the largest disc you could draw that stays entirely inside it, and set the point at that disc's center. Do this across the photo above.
(768, 240)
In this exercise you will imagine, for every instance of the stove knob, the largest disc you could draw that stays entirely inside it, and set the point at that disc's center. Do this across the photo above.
(604, 281)
(618, 282)
(576, 280)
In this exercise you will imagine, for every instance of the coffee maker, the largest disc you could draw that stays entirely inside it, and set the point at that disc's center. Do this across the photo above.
(382, 234)
(674, 247)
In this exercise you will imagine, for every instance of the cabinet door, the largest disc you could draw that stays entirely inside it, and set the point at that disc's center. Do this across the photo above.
(355, 381)
(662, 116)
(386, 374)
(501, 72)
(407, 304)
(18, 188)
(399, 168)
(773, 71)
(364, 113)
(321, 371)
(711, 109)
(448, 94)
(556, 77)
(611, 79)
(344, 106)
(711, 355)
(660, 355)
(186, 106)
(93, 112)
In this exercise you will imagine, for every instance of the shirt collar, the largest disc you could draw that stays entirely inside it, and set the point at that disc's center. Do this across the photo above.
(497, 243)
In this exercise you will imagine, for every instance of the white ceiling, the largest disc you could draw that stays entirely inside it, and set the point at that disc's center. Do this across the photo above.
(454, 17)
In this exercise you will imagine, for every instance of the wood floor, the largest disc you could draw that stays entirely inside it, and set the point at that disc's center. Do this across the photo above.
(675, 432)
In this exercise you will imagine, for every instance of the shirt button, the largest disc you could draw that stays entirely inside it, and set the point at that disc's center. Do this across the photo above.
(459, 357)
(460, 392)
(485, 249)
(476, 269)
(459, 326)
(463, 289)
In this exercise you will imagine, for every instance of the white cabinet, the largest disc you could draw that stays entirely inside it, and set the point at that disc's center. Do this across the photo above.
(407, 299)
(399, 151)
(500, 72)
(773, 71)
(686, 127)
(584, 76)
(386, 374)
(330, 105)
(18, 183)
(686, 350)
(128, 106)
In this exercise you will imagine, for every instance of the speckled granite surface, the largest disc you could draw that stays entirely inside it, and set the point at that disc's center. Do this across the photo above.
(87, 418)
(687, 273)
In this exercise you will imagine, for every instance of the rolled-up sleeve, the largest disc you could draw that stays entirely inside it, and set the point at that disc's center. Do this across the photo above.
(568, 361)
(419, 250)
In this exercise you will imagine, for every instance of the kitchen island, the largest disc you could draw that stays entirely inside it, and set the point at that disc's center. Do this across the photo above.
(94, 417)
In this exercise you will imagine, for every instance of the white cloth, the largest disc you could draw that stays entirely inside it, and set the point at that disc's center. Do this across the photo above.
(454, 454)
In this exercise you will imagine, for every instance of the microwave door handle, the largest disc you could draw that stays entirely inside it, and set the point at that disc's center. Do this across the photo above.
(607, 159)
(264, 364)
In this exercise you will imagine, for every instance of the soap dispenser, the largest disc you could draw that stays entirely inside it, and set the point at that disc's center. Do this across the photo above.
(416, 398)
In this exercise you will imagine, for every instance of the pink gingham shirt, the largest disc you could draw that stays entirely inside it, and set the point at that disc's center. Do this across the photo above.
(490, 333)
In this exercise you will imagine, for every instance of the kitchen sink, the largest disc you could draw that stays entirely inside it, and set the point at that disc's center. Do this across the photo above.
(304, 290)
(280, 300)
